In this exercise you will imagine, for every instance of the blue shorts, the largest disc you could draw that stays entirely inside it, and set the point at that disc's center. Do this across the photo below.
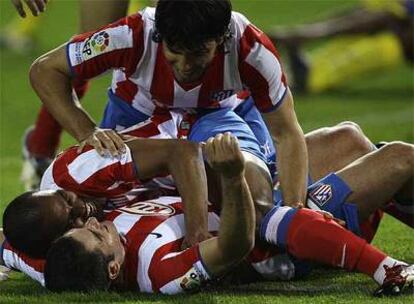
(246, 123)
(119, 115)
(251, 115)
(257, 142)
(329, 194)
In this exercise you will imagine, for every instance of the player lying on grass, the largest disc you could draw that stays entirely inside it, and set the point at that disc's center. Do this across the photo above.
(93, 176)
(305, 222)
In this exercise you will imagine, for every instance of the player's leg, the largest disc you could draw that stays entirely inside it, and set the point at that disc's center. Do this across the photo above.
(332, 148)
(299, 232)
(380, 176)
(94, 14)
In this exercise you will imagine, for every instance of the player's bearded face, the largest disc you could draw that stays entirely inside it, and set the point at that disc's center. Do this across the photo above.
(189, 66)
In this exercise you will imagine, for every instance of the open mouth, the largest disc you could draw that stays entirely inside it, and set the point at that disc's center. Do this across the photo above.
(90, 209)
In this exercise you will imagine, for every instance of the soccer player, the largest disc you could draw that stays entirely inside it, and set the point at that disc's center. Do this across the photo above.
(112, 180)
(41, 141)
(196, 55)
(373, 37)
(154, 238)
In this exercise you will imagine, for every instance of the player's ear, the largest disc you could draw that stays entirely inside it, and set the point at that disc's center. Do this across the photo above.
(113, 269)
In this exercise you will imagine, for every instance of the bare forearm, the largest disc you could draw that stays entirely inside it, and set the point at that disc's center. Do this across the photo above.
(236, 234)
(53, 86)
(237, 217)
(292, 162)
(292, 165)
(237, 225)
(188, 171)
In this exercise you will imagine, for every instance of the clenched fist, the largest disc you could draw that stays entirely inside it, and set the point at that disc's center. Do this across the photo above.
(224, 155)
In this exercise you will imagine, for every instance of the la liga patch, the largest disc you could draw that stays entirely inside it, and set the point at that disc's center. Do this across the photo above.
(95, 45)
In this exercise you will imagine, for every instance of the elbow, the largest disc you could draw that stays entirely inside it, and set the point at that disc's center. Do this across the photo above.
(244, 249)
(238, 250)
(37, 69)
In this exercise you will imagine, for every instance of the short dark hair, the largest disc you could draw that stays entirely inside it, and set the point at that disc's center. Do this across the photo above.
(189, 24)
(24, 226)
(70, 267)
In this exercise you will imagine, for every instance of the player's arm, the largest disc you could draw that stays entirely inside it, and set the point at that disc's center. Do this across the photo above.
(50, 76)
(184, 161)
(292, 163)
(261, 71)
(237, 219)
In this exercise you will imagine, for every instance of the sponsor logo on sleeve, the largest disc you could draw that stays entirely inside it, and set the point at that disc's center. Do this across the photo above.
(221, 95)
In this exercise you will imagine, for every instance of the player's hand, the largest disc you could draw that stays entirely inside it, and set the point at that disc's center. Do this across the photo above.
(35, 6)
(4, 273)
(224, 156)
(297, 205)
(195, 238)
(329, 216)
(104, 140)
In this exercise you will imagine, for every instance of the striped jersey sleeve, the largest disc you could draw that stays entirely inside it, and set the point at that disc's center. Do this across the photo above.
(259, 65)
(116, 46)
(90, 174)
(19, 261)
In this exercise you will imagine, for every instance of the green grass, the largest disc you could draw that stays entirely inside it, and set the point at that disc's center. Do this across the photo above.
(382, 104)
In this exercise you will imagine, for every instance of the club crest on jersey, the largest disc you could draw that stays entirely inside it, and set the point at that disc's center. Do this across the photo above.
(321, 194)
(221, 95)
(96, 44)
(148, 208)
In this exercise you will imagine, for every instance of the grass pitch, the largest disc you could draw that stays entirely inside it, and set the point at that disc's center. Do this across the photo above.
(382, 104)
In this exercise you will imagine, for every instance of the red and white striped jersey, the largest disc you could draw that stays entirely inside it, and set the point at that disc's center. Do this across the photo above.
(247, 63)
(154, 262)
(112, 178)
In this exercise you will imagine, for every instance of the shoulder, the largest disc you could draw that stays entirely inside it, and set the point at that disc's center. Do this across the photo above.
(238, 24)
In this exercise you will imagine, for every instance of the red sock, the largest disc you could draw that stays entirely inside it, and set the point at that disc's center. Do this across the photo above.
(44, 139)
(314, 238)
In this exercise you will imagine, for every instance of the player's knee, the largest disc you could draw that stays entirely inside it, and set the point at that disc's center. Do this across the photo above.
(350, 124)
(400, 154)
(351, 137)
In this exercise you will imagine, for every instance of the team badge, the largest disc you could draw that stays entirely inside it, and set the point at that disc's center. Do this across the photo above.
(148, 208)
(321, 194)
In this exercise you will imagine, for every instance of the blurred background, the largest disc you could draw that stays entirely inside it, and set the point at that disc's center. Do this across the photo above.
(381, 101)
